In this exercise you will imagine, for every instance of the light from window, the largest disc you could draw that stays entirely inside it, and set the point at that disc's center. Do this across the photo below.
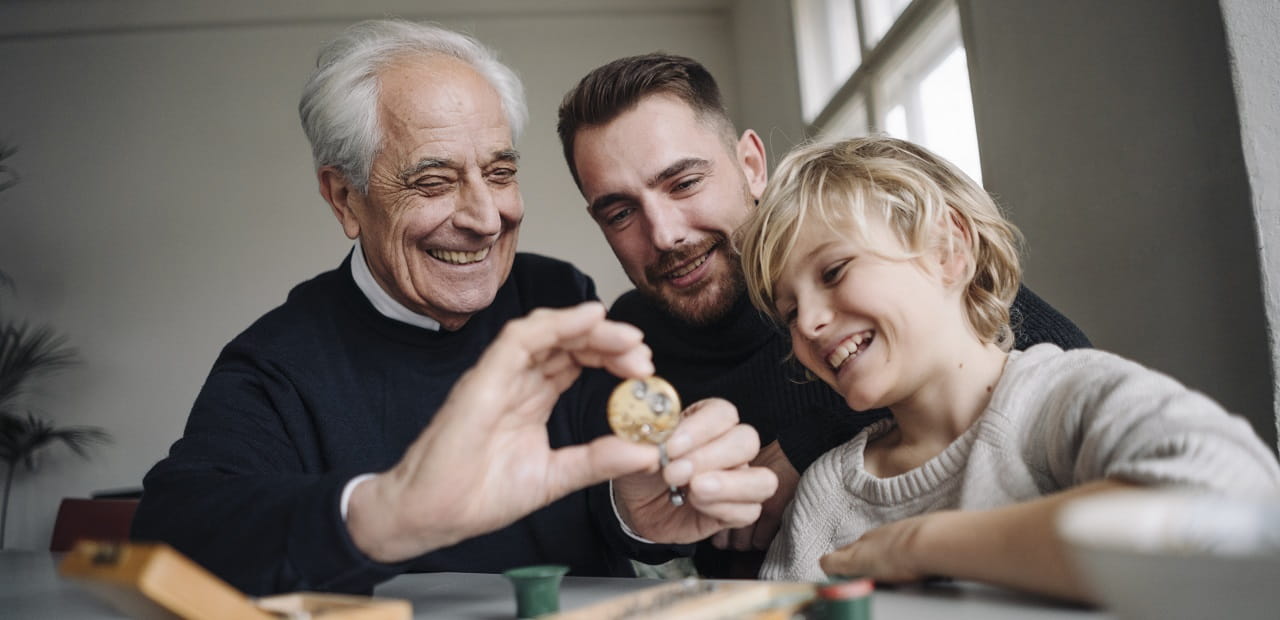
(827, 44)
(849, 120)
(895, 122)
(947, 114)
(913, 85)
(880, 16)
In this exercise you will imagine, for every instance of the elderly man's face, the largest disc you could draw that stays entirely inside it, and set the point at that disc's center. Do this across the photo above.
(440, 220)
(668, 191)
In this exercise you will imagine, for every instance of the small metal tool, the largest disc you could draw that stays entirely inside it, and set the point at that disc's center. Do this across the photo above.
(674, 494)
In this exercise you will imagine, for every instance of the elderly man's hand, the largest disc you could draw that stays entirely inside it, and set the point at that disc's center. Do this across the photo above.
(485, 460)
(709, 454)
(760, 534)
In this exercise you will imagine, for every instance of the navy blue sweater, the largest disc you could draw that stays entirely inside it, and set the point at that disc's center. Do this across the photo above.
(324, 388)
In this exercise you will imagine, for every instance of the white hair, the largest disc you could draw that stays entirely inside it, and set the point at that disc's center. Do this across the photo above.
(339, 105)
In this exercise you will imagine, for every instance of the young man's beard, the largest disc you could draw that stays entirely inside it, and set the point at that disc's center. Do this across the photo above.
(707, 302)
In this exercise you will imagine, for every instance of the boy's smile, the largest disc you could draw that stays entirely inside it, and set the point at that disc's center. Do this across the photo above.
(849, 348)
(868, 321)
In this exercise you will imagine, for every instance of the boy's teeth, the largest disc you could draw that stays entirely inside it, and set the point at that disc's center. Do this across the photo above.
(459, 258)
(847, 349)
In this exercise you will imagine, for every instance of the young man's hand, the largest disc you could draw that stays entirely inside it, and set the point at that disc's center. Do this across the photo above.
(709, 454)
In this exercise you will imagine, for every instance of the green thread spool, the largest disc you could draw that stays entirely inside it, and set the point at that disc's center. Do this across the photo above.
(537, 588)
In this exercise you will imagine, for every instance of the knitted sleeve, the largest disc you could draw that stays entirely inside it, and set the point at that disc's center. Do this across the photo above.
(237, 462)
(808, 527)
(1107, 417)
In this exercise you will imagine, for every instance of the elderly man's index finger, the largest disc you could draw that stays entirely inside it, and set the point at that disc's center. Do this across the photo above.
(545, 329)
(578, 329)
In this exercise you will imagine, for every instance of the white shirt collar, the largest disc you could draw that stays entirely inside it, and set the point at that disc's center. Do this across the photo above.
(381, 301)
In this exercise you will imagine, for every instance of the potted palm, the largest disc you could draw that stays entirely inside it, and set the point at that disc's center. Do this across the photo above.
(26, 353)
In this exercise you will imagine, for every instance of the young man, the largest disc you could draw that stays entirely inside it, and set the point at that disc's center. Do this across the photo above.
(668, 179)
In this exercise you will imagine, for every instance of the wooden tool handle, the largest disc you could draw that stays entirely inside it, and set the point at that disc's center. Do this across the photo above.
(153, 581)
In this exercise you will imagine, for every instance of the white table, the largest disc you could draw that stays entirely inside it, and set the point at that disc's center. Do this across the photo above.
(31, 588)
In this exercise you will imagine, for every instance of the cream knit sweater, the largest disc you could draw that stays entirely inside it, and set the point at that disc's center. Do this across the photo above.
(1056, 419)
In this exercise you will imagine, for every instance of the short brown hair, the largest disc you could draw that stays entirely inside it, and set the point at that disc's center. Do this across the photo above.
(913, 191)
(614, 88)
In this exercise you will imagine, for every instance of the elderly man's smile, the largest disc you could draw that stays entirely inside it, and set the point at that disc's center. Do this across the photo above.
(457, 257)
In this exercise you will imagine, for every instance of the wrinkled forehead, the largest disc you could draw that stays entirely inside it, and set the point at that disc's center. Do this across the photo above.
(442, 100)
(412, 82)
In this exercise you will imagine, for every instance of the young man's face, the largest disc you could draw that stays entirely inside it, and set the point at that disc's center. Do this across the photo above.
(668, 189)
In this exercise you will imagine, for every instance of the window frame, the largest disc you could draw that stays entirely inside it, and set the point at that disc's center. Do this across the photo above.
(914, 35)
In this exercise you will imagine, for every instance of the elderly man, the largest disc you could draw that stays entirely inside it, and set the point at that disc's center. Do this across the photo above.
(395, 414)
(668, 178)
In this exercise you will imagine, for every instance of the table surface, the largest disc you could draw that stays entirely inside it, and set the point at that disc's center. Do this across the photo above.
(31, 588)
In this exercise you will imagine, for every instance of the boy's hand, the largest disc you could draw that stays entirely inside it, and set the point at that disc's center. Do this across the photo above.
(884, 554)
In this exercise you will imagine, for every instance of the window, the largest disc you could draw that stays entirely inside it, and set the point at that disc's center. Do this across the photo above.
(892, 66)
(829, 51)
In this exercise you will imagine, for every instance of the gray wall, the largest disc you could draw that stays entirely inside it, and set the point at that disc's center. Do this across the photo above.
(768, 85)
(1252, 31)
(1109, 132)
(168, 200)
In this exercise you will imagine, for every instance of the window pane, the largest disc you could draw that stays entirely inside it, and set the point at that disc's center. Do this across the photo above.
(880, 15)
(895, 122)
(947, 113)
(827, 49)
(849, 122)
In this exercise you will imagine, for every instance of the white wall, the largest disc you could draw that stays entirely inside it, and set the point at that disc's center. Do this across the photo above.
(1252, 29)
(167, 197)
(1109, 131)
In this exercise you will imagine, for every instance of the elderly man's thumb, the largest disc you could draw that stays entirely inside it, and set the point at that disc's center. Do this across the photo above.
(606, 458)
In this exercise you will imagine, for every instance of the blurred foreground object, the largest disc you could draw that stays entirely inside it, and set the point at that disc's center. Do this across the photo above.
(696, 599)
(155, 581)
(537, 588)
(1177, 554)
(95, 519)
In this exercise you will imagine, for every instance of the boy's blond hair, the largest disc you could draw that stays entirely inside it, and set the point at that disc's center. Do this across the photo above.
(914, 192)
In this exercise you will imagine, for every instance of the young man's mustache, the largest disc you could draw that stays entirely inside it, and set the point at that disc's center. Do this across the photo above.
(682, 254)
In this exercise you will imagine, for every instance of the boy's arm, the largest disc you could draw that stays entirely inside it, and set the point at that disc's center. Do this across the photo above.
(1015, 546)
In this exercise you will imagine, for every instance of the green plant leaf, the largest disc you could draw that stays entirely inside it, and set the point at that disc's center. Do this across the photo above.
(22, 438)
(8, 176)
(27, 352)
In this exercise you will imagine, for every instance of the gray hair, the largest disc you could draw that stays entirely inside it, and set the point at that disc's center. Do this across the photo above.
(339, 105)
